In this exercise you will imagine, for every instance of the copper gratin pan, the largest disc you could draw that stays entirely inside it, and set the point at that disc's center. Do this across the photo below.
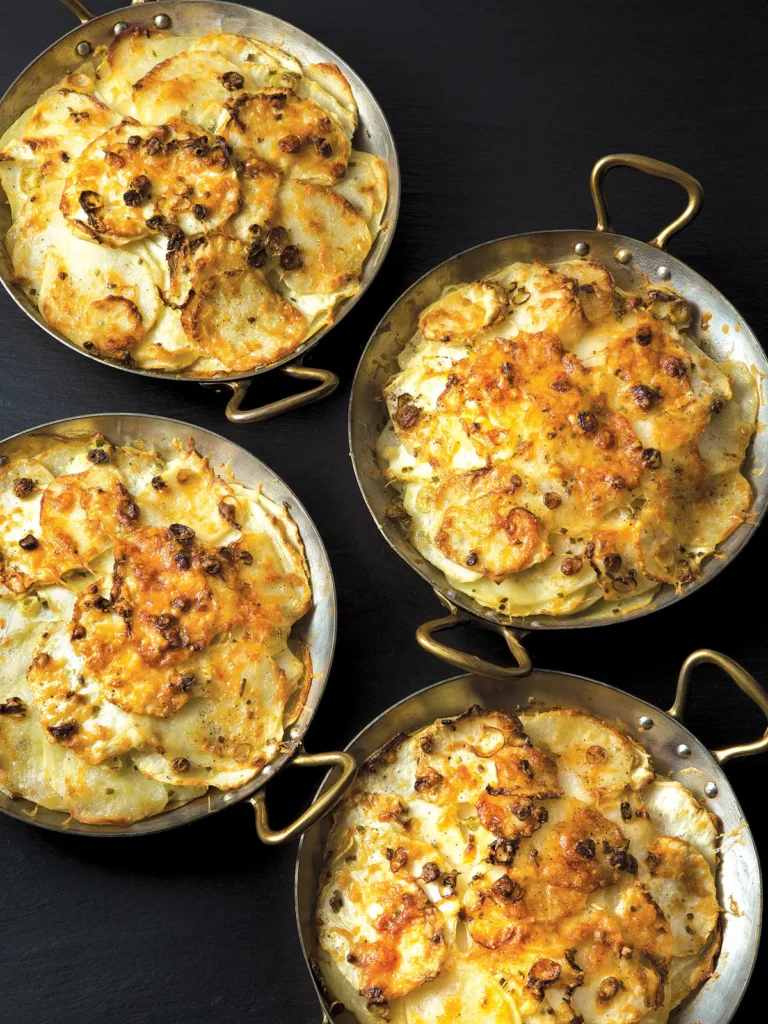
(627, 259)
(673, 749)
(317, 630)
(196, 18)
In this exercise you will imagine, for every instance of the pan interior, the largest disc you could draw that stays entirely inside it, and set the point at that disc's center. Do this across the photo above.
(205, 16)
(317, 629)
(739, 879)
(726, 336)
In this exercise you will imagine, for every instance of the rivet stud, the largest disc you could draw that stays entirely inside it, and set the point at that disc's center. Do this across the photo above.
(664, 273)
(683, 750)
(162, 21)
(119, 26)
(581, 248)
(710, 789)
(83, 48)
(645, 723)
(624, 255)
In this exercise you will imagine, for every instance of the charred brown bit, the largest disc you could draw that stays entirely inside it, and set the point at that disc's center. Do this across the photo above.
(233, 80)
(257, 256)
(448, 881)
(180, 765)
(155, 223)
(210, 565)
(503, 851)
(399, 858)
(609, 988)
(227, 512)
(507, 889)
(289, 144)
(596, 755)
(626, 811)
(651, 458)
(621, 859)
(277, 239)
(336, 902)
(552, 500)
(587, 422)
(585, 848)
(245, 557)
(717, 406)
(13, 706)
(623, 584)
(97, 455)
(430, 778)
(133, 197)
(183, 561)
(571, 566)
(29, 542)
(78, 632)
(63, 731)
(181, 532)
(430, 872)
(561, 384)
(472, 558)
(90, 201)
(322, 146)
(645, 397)
(128, 510)
(290, 258)
(544, 972)
(153, 145)
(603, 438)
(23, 487)
(164, 621)
(158, 483)
(134, 141)
(407, 413)
(674, 366)
(644, 336)
(612, 562)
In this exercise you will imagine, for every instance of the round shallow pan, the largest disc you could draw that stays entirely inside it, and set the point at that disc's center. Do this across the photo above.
(673, 748)
(198, 17)
(727, 335)
(317, 630)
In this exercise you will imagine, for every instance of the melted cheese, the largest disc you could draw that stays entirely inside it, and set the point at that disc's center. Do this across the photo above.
(144, 628)
(557, 441)
(171, 144)
(501, 868)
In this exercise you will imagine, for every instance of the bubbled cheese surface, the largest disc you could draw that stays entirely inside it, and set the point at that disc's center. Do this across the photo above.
(517, 870)
(146, 604)
(555, 441)
(218, 160)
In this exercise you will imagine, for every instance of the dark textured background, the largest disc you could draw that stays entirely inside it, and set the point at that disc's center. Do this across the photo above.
(499, 110)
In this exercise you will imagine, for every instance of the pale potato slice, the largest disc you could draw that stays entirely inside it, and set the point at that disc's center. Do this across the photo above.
(463, 312)
(593, 757)
(681, 882)
(675, 811)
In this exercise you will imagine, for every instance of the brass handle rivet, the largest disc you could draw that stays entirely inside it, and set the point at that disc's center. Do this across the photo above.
(162, 21)
(267, 769)
(581, 248)
(683, 750)
(83, 48)
(664, 273)
(119, 26)
(624, 255)
(295, 734)
(710, 789)
(645, 723)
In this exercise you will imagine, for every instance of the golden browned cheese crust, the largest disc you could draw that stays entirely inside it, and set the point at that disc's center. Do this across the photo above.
(557, 441)
(164, 144)
(516, 870)
(145, 610)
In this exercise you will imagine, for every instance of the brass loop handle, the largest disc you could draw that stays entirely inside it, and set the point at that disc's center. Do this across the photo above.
(745, 682)
(328, 382)
(79, 10)
(470, 662)
(324, 803)
(658, 169)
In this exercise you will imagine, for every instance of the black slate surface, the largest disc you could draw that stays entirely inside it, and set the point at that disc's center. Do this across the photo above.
(499, 110)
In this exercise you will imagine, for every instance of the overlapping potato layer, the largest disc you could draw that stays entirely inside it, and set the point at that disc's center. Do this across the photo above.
(556, 440)
(517, 870)
(191, 204)
(145, 610)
